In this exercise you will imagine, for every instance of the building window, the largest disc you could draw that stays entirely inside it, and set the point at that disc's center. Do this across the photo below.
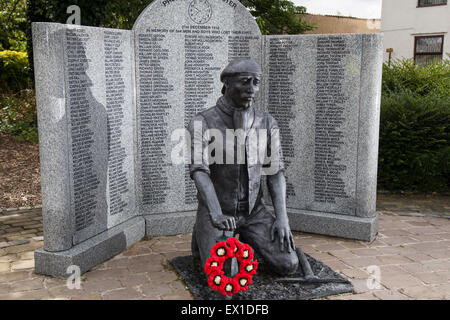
(428, 48)
(430, 3)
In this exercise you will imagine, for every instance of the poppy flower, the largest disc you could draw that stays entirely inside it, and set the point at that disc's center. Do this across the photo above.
(244, 280)
(221, 251)
(213, 264)
(229, 286)
(216, 279)
(249, 268)
(245, 253)
(234, 244)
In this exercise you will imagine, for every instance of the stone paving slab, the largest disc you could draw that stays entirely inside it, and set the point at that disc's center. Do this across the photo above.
(410, 259)
(19, 227)
(415, 204)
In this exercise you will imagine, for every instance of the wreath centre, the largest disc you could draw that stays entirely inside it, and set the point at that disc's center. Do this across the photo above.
(219, 253)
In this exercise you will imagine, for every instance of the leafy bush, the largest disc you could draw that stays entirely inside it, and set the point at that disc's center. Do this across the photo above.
(14, 71)
(18, 115)
(423, 80)
(13, 23)
(414, 152)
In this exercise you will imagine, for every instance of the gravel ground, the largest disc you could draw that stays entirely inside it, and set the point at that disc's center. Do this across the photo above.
(20, 180)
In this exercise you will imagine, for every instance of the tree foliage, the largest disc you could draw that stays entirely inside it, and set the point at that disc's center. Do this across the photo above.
(278, 16)
(13, 23)
(14, 71)
(123, 14)
(93, 12)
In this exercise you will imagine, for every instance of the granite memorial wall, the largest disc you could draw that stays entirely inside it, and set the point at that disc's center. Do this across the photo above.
(324, 91)
(109, 101)
(86, 115)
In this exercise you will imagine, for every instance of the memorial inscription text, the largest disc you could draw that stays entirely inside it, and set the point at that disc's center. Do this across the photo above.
(154, 89)
(115, 99)
(85, 180)
(281, 97)
(330, 71)
(202, 46)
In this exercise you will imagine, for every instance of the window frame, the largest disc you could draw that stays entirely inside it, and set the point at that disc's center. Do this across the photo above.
(430, 5)
(441, 53)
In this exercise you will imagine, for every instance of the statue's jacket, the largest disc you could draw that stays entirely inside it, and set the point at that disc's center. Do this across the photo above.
(213, 145)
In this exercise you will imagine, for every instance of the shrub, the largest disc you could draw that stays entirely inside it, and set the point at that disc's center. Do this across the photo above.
(13, 23)
(422, 80)
(18, 115)
(414, 152)
(14, 71)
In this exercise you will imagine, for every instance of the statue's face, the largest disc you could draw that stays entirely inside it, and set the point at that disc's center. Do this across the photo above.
(242, 88)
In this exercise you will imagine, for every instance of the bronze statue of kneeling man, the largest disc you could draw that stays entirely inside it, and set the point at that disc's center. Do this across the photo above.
(228, 179)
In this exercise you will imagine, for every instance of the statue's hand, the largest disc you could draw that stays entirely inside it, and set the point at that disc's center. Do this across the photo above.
(224, 222)
(281, 227)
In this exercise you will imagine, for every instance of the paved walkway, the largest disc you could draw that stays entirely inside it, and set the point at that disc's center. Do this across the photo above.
(411, 255)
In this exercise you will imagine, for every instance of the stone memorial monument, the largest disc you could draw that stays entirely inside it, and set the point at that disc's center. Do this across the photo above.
(324, 91)
(113, 106)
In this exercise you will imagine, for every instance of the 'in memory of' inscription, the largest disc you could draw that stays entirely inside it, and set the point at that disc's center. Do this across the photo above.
(328, 185)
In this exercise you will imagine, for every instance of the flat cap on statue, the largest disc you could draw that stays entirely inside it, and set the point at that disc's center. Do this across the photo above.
(240, 65)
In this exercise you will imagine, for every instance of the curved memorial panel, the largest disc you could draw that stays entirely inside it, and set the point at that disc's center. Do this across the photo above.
(181, 48)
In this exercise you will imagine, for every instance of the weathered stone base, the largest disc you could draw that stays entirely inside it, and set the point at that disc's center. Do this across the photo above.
(329, 224)
(336, 225)
(91, 252)
(169, 224)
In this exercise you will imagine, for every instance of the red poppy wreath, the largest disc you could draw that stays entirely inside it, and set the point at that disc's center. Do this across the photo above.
(231, 248)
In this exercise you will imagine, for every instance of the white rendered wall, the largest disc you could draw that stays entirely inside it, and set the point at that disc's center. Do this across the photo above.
(402, 20)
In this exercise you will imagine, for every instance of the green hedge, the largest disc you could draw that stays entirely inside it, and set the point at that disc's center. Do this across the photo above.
(17, 101)
(414, 153)
(18, 115)
(14, 71)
